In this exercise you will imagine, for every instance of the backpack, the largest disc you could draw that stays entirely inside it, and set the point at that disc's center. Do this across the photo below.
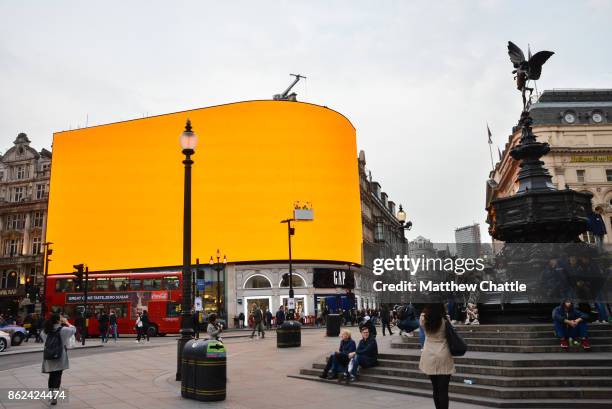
(54, 347)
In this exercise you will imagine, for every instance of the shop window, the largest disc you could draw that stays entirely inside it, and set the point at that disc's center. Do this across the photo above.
(258, 281)
(297, 281)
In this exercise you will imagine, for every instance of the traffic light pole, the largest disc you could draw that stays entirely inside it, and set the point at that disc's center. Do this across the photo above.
(85, 319)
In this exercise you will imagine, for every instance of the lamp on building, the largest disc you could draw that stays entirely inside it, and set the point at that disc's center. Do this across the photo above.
(218, 267)
(188, 141)
(401, 217)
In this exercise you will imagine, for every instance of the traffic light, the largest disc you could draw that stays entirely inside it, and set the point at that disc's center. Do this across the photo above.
(78, 281)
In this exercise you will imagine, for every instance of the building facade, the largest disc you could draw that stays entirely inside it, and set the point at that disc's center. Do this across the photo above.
(578, 126)
(319, 284)
(468, 241)
(24, 187)
(422, 247)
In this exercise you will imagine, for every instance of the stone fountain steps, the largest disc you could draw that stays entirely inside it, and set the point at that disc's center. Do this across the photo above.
(425, 391)
(517, 339)
(546, 377)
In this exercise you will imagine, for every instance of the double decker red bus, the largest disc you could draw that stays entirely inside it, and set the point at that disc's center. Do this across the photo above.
(159, 293)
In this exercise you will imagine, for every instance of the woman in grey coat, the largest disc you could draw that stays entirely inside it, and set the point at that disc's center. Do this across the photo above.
(55, 367)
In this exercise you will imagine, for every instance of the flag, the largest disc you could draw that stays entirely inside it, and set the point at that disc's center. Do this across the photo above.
(489, 133)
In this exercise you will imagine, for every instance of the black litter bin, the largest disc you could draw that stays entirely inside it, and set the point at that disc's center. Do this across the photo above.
(333, 325)
(289, 335)
(204, 370)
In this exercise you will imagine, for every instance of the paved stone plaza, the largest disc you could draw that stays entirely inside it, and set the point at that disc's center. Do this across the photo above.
(142, 376)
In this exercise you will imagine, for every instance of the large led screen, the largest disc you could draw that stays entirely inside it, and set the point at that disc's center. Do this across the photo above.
(116, 196)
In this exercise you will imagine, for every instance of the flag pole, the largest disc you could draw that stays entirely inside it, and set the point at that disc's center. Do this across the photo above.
(490, 149)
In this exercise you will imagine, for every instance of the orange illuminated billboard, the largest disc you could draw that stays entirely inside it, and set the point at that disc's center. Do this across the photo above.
(116, 196)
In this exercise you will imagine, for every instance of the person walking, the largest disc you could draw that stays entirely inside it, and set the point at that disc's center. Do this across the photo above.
(258, 322)
(112, 320)
(436, 359)
(146, 323)
(268, 319)
(241, 320)
(56, 335)
(280, 316)
(385, 318)
(103, 326)
(139, 326)
(597, 226)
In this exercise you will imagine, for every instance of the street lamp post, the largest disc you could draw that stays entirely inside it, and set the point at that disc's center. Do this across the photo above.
(291, 301)
(48, 252)
(405, 225)
(188, 142)
(218, 267)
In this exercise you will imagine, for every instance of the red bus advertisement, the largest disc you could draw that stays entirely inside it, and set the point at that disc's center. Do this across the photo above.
(159, 293)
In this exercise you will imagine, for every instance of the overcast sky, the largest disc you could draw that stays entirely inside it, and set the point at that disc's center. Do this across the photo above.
(419, 80)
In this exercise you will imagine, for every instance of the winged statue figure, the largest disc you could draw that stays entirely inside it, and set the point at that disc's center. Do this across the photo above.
(526, 69)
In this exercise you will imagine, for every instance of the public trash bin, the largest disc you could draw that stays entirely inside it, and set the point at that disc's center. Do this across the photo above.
(204, 370)
(333, 325)
(289, 335)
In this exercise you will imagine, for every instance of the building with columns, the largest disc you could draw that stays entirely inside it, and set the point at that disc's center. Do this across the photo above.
(24, 187)
(577, 123)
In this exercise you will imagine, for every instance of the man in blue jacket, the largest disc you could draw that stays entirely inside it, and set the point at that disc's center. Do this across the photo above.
(365, 356)
(569, 322)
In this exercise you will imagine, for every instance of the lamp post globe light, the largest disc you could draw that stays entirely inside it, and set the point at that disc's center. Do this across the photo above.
(219, 266)
(188, 141)
(401, 217)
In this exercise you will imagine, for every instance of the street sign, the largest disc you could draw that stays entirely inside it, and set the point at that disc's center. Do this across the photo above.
(198, 304)
(201, 283)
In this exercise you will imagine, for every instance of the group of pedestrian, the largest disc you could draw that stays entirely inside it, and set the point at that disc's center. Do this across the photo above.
(107, 325)
(33, 325)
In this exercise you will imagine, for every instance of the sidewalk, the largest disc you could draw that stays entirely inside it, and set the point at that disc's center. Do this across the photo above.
(257, 378)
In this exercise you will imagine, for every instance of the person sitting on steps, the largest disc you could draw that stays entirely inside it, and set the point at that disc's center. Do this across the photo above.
(569, 322)
(338, 361)
(365, 356)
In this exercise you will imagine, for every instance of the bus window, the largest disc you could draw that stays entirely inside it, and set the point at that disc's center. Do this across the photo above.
(64, 285)
(171, 283)
(135, 284)
(118, 284)
(121, 310)
(152, 284)
(102, 284)
(91, 284)
(173, 309)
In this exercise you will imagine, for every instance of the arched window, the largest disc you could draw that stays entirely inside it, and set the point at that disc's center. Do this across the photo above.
(257, 281)
(298, 280)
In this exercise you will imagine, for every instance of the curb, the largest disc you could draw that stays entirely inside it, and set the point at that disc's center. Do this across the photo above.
(32, 351)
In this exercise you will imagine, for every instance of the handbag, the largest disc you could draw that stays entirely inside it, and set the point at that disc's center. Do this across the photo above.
(456, 344)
